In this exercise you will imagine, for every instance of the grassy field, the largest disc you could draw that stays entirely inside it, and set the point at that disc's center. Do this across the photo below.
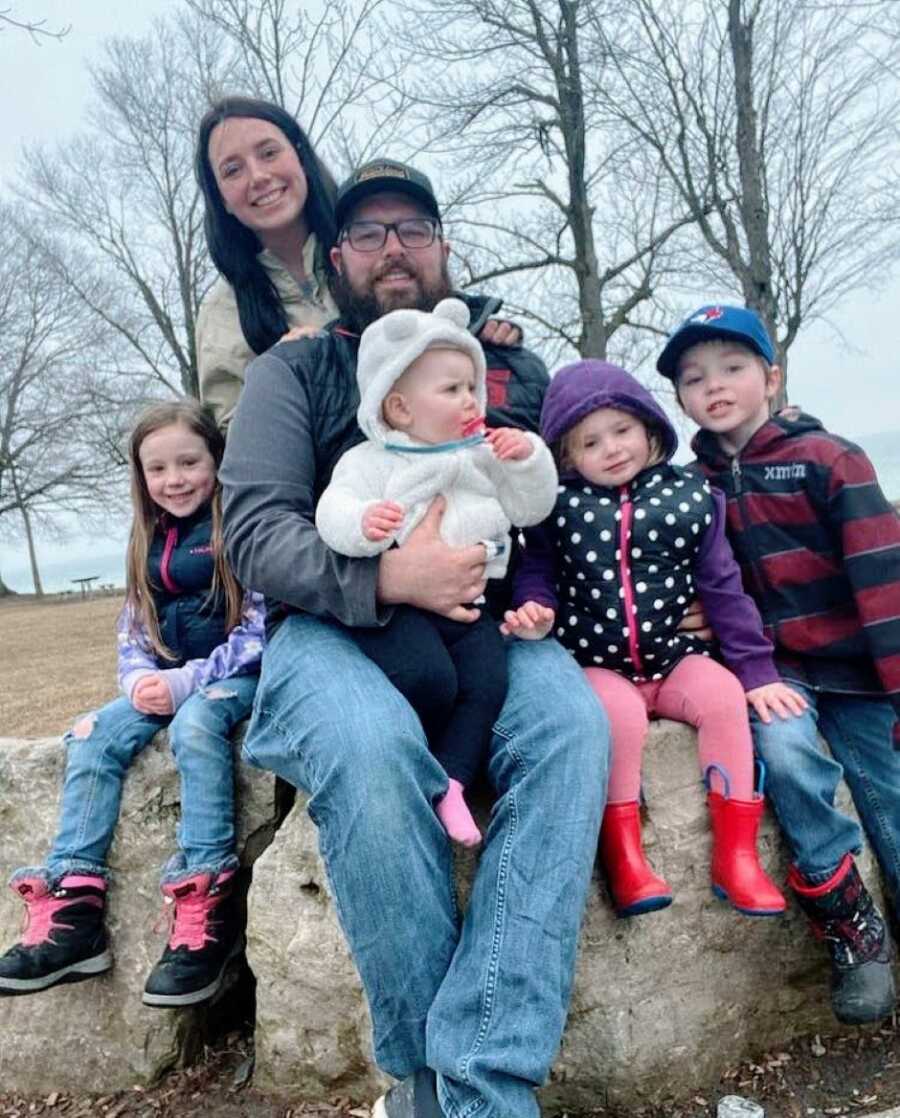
(58, 660)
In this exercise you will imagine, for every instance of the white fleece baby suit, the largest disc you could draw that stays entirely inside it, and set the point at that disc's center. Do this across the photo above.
(484, 496)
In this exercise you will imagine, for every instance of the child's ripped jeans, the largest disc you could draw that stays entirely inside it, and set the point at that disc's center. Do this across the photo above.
(100, 749)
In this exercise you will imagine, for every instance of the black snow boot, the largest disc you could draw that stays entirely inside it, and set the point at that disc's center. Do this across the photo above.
(64, 938)
(843, 915)
(205, 936)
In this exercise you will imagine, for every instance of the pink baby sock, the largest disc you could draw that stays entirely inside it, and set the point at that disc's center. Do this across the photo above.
(456, 817)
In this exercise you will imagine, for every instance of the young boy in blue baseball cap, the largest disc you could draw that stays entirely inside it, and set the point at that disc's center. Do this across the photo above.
(819, 549)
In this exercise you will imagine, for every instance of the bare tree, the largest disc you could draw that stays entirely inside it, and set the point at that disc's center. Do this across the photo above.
(325, 63)
(550, 202)
(122, 202)
(48, 454)
(775, 122)
(37, 29)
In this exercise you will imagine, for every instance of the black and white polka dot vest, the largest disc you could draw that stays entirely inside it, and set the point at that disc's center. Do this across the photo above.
(625, 561)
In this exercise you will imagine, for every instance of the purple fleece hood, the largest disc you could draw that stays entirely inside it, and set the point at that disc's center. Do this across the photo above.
(578, 389)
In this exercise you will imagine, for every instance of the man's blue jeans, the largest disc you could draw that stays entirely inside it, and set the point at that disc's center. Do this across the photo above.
(100, 750)
(483, 1004)
(801, 781)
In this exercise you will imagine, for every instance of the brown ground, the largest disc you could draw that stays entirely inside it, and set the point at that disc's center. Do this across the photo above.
(58, 659)
(821, 1077)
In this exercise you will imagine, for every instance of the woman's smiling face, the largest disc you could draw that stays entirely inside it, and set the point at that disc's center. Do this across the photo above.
(258, 174)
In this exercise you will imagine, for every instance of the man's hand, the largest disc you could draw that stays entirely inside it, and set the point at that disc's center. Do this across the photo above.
(382, 520)
(694, 622)
(509, 444)
(776, 698)
(152, 696)
(429, 574)
(530, 622)
(497, 331)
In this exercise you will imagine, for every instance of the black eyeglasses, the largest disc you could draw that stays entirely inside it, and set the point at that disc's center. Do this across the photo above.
(370, 236)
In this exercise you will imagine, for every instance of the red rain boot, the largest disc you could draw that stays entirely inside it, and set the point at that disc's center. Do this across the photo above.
(635, 888)
(736, 873)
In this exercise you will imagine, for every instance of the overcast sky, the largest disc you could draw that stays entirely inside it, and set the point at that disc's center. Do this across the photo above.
(846, 372)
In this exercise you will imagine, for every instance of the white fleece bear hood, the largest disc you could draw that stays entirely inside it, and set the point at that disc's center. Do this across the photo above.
(483, 495)
(391, 344)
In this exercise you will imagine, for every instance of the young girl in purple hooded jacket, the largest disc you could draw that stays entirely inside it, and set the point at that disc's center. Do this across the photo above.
(631, 542)
(190, 642)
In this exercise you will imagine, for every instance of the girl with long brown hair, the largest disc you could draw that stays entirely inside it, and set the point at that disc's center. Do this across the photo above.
(189, 645)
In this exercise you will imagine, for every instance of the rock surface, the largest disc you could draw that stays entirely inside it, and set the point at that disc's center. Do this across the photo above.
(97, 1035)
(660, 1001)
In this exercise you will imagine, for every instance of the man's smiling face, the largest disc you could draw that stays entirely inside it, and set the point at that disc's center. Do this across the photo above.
(369, 284)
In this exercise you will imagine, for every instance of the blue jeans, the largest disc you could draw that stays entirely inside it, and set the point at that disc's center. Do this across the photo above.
(97, 762)
(801, 781)
(483, 1004)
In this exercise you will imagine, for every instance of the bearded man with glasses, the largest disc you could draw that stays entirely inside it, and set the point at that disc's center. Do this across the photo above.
(468, 1014)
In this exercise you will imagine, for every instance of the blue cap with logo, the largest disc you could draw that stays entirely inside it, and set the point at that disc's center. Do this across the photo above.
(711, 323)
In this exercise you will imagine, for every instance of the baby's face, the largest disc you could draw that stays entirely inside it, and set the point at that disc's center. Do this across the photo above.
(435, 398)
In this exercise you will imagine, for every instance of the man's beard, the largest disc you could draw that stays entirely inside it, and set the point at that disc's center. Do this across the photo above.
(361, 308)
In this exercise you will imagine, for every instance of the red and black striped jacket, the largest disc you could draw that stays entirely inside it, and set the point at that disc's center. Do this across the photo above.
(819, 549)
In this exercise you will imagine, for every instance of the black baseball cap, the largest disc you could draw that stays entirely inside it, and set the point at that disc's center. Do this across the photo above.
(380, 176)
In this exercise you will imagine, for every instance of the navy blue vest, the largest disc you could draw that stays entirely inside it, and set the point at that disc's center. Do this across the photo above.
(180, 566)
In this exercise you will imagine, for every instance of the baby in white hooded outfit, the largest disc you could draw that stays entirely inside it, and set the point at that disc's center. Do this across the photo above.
(422, 399)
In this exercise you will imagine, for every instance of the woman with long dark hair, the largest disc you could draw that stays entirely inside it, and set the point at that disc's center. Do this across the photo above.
(269, 225)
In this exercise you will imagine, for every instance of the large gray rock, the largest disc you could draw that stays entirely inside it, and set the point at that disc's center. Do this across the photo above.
(661, 1001)
(97, 1035)
(312, 1023)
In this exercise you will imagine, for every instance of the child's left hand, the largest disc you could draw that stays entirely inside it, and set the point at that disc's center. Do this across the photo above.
(151, 695)
(776, 698)
(530, 622)
(509, 444)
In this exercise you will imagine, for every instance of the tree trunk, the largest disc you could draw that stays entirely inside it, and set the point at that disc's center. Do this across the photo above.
(570, 91)
(32, 555)
(757, 279)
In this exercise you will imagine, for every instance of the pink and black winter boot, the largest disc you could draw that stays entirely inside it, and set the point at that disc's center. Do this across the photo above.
(205, 935)
(64, 938)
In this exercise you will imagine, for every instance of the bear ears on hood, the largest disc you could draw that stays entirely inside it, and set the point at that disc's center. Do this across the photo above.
(402, 325)
(393, 342)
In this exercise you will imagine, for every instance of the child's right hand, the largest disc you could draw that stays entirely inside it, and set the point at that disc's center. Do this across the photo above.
(151, 695)
(776, 698)
(530, 622)
(382, 520)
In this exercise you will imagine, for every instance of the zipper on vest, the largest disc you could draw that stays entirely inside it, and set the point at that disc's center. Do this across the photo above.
(736, 475)
(626, 508)
(168, 548)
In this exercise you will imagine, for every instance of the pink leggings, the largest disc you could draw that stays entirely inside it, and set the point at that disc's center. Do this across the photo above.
(697, 691)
